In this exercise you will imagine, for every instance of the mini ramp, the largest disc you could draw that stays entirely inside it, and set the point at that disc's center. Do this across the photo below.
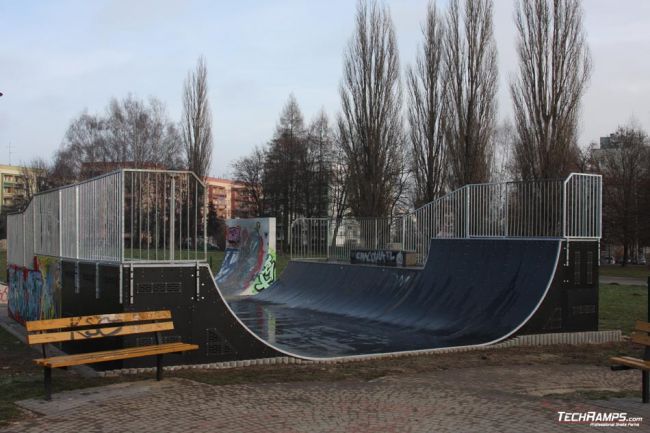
(470, 292)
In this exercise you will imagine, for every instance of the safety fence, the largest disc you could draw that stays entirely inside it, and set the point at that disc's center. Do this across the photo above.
(569, 208)
(124, 216)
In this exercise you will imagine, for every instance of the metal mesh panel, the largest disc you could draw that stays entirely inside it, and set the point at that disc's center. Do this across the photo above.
(128, 215)
(15, 247)
(539, 209)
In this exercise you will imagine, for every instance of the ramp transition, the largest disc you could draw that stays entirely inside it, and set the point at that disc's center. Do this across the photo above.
(470, 292)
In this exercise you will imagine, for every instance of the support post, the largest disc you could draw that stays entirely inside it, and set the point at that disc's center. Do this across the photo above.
(47, 381)
(645, 386)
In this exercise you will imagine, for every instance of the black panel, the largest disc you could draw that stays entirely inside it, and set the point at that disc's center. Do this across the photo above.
(572, 301)
(86, 298)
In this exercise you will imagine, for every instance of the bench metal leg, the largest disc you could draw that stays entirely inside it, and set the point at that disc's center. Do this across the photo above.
(645, 386)
(159, 367)
(47, 381)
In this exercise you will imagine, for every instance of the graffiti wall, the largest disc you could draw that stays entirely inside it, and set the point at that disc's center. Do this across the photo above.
(249, 265)
(33, 293)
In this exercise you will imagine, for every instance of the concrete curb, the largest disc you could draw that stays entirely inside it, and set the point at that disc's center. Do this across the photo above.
(572, 338)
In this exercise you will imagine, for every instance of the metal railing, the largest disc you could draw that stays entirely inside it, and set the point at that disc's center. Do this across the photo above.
(124, 216)
(569, 208)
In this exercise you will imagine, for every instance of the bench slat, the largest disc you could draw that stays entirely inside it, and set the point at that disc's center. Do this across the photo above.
(642, 326)
(88, 334)
(71, 322)
(631, 362)
(113, 355)
(640, 338)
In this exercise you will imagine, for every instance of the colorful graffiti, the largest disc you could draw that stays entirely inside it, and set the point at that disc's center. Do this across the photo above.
(250, 262)
(33, 293)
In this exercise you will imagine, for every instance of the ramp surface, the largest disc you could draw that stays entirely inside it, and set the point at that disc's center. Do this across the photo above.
(470, 292)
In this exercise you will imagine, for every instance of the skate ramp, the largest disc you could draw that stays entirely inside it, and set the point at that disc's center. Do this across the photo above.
(470, 292)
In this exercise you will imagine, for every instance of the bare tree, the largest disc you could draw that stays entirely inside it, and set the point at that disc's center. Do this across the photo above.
(471, 75)
(196, 124)
(370, 123)
(554, 68)
(426, 88)
(141, 134)
(624, 168)
(132, 134)
(35, 178)
(249, 170)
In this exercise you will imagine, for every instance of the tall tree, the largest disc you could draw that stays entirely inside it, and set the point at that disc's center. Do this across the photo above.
(426, 113)
(370, 124)
(624, 168)
(282, 181)
(554, 68)
(196, 124)
(471, 74)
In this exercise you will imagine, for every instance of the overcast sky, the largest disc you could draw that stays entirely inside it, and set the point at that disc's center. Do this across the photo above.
(59, 58)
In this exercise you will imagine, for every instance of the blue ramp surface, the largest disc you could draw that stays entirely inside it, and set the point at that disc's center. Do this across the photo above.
(470, 292)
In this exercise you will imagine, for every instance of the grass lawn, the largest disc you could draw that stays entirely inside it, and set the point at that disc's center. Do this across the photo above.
(621, 305)
(630, 271)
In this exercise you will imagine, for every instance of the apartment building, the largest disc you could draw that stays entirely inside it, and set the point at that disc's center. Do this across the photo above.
(13, 186)
(229, 198)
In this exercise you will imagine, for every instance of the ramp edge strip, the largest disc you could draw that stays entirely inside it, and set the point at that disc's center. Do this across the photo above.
(572, 338)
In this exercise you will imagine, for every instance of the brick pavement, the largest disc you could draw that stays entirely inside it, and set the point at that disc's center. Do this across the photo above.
(485, 399)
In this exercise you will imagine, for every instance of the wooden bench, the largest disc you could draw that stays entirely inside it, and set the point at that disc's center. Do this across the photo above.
(641, 336)
(86, 328)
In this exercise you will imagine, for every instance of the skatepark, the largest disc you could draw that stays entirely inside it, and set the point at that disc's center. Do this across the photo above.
(490, 262)
(470, 297)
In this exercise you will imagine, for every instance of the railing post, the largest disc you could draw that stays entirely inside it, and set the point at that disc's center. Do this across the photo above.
(205, 222)
(172, 217)
(59, 226)
(564, 200)
(122, 206)
(506, 212)
(290, 241)
(467, 189)
(327, 240)
(376, 236)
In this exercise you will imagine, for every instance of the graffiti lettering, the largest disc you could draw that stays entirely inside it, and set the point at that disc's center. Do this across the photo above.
(268, 274)
(95, 333)
(379, 257)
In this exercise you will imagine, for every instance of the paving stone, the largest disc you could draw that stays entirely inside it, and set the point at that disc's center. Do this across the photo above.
(485, 399)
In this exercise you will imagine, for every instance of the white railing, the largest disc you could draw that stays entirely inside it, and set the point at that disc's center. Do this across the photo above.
(123, 216)
(569, 208)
